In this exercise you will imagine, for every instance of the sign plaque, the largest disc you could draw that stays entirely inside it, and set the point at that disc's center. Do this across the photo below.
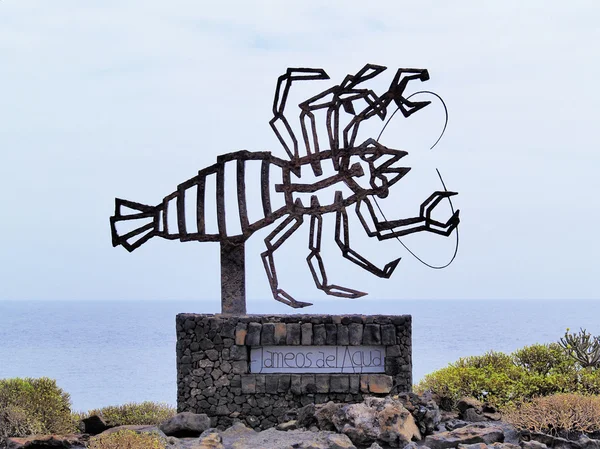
(317, 359)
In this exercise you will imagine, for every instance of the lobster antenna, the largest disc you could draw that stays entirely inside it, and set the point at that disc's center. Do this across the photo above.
(412, 95)
(435, 267)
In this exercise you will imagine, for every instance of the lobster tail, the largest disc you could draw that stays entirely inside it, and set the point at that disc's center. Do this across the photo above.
(144, 222)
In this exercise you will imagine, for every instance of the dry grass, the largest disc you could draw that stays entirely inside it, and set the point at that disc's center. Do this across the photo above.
(128, 439)
(145, 413)
(559, 414)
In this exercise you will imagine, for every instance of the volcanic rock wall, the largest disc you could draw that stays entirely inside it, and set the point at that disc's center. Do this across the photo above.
(213, 363)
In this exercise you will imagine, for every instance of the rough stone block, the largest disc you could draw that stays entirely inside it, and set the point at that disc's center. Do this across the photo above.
(238, 352)
(261, 383)
(339, 384)
(296, 384)
(380, 383)
(372, 334)
(267, 335)
(307, 334)
(279, 333)
(393, 366)
(212, 355)
(364, 383)
(228, 329)
(308, 384)
(205, 344)
(253, 336)
(354, 383)
(239, 367)
(342, 335)
(241, 330)
(330, 334)
(355, 334)
(249, 384)
(388, 334)
(393, 351)
(283, 384)
(294, 334)
(272, 382)
(319, 335)
(322, 383)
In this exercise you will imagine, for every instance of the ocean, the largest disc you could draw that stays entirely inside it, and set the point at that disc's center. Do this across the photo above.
(113, 352)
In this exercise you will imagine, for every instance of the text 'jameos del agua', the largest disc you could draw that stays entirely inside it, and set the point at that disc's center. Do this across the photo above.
(317, 359)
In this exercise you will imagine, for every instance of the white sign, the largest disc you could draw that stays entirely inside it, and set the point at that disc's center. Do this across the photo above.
(317, 359)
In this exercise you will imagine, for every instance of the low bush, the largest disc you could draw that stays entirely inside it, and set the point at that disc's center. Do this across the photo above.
(128, 439)
(563, 415)
(505, 379)
(145, 413)
(32, 406)
(543, 359)
(15, 421)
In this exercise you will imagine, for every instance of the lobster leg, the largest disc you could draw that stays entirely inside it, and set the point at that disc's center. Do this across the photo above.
(317, 268)
(279, 123)
(342, 238)
(396, 228)
(273, 241)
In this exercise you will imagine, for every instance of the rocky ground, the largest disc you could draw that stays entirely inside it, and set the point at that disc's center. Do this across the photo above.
(405, 421)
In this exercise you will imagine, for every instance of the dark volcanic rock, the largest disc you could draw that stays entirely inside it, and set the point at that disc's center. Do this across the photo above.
(306, 416)
(94, 425)
(425, 411)
(186, 425)
(47, 441)
(471, 434)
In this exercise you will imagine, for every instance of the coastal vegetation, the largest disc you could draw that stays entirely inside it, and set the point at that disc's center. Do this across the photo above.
(38, 406)
(504, 380)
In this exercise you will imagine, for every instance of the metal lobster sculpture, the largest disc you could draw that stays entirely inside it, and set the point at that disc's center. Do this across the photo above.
(367, 169)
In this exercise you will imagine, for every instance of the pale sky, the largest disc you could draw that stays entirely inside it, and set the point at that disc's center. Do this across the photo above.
(121, 98)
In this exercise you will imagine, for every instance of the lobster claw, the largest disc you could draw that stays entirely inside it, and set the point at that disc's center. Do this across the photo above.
(390, 267)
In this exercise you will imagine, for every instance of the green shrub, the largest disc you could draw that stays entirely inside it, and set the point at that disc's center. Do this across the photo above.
(14, 422)
(145, 413)
(543, 359)
(486, 384)
(560, 414)
(490, 360)
(34, 406)
(128, 439)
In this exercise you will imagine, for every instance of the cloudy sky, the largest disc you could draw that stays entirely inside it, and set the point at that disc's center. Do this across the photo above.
(121, 98)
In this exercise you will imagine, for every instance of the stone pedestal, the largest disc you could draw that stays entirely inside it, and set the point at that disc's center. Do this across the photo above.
(213, 363)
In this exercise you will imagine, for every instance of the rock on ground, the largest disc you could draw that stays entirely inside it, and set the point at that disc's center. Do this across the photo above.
(467, 435)
(186, 425)
(54, 441)
(424, 409)
(93, 425)
(137, 429)
(241, 437)
(377, 420)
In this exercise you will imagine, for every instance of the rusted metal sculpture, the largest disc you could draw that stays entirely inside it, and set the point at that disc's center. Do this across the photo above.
(368, 170)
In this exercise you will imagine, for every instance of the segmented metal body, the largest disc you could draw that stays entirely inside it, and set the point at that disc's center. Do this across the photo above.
(186, 231)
